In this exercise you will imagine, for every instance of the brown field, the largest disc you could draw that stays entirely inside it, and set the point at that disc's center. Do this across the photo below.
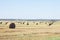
(30, 30)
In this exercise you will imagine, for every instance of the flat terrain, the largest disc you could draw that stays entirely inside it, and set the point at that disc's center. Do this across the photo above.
(36, 31)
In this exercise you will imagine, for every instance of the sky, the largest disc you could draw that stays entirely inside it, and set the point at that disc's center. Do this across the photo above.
(29, 9)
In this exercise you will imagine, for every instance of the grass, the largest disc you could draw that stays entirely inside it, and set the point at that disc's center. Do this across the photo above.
(54, 38)
(39, 37)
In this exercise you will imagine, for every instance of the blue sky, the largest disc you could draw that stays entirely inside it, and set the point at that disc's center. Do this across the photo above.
(29, 9)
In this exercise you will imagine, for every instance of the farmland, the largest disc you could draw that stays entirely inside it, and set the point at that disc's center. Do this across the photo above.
(30, 30)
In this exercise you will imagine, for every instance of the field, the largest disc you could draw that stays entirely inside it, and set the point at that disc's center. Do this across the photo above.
(30, 32)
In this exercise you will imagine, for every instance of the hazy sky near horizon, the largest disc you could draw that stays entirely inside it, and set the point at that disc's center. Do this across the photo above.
(29, 9)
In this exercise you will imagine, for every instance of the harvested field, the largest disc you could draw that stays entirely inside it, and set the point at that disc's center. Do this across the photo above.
(30, 30)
